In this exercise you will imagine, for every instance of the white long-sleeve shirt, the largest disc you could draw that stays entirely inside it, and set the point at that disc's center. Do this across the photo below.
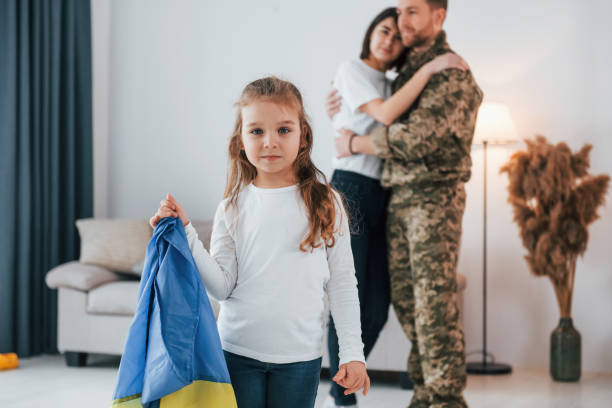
(272, 294)
(358, 83)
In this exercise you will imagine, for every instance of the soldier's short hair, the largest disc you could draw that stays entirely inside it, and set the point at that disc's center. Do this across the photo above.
(434, 4)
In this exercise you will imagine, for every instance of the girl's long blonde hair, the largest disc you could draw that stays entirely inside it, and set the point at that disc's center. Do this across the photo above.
(318, 196)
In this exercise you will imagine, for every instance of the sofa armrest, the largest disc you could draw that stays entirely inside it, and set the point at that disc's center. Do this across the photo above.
(76, 275)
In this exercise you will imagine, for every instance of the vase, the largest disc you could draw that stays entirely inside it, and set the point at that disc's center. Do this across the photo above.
(565, 350)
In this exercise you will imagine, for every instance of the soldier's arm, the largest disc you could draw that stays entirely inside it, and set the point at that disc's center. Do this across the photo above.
(363, 144)
(429, 126)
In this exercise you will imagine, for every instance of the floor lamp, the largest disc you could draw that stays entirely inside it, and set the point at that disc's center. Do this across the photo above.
(494, 127)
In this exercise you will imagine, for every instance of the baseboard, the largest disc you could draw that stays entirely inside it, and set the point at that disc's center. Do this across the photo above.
(383, 377)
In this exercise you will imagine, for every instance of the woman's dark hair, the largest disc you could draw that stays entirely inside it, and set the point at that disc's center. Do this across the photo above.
(365, 49)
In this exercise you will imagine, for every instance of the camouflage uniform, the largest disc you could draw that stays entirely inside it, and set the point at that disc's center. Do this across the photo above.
(427, 162)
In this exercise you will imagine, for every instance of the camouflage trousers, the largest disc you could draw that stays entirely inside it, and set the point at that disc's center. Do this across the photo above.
(424, 231)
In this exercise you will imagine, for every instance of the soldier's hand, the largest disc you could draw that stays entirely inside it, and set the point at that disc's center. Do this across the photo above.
(332, 103)
(343, 140)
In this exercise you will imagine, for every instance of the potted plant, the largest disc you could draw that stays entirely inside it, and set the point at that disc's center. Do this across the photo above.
(555, 199)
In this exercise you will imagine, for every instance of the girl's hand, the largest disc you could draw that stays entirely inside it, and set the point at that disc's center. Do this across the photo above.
(353, 376)
(169, 208)
(446, 61)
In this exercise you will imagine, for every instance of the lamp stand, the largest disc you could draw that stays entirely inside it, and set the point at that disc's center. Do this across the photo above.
(485, 367)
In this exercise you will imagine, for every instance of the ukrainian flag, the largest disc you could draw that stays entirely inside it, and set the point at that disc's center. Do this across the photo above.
(172, 356)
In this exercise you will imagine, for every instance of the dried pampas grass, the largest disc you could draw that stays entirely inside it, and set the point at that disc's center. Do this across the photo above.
(554, 200)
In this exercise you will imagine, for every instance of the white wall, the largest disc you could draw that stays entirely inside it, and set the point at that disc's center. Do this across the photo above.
(100, 38)
(549, 61)
(177, 67)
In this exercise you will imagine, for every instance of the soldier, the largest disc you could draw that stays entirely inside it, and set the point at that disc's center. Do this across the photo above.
(426, 154)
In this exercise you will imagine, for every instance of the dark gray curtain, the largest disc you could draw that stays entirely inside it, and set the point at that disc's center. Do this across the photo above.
(45, 161)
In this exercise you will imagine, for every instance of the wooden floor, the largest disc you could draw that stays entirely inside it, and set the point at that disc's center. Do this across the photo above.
(46, 382)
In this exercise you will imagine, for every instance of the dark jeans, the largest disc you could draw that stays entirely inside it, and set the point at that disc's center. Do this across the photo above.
(267, 385)
(366, 203)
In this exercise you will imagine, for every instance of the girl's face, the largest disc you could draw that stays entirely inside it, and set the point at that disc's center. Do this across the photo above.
(386, 42)
(271, 141)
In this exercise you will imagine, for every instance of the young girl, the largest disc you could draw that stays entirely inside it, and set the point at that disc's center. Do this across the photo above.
(280, 243)
(366, 103)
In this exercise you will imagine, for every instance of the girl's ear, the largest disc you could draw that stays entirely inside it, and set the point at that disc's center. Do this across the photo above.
(240, 144)
(303, 136)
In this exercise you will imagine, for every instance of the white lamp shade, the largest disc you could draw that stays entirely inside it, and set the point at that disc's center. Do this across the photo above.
(494, 125)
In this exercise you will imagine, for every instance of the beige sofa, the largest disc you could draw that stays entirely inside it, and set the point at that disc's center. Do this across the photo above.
(97, 295)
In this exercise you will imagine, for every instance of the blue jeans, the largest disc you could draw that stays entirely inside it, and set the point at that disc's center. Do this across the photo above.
(366, 203)
(268, 385)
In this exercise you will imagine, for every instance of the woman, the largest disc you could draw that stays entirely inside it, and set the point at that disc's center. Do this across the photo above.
(365, 103)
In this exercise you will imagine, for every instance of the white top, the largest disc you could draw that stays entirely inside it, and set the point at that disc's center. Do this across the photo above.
(358, 83)
(273, 306)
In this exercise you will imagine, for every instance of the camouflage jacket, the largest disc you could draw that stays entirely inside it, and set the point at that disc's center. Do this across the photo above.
(431, 141)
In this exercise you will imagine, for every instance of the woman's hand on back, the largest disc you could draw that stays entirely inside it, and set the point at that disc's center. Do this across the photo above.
(447, 61)
(332, 103)
(169, 207)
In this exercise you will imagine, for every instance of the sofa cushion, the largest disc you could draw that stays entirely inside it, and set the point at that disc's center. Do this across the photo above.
(118, 244)
(119, 298)
(76, 275)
